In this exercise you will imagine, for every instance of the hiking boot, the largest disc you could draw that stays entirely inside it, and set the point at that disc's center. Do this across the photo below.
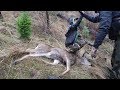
(116, 71)
(112, 74)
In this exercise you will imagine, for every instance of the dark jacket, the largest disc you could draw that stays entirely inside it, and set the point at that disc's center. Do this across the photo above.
(105, 19)
(72, 33)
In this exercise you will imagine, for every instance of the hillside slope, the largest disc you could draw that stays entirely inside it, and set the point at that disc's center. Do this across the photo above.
(33, 67)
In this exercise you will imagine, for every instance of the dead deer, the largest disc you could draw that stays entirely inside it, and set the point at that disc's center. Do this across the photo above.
(64, 57)
(56, 54)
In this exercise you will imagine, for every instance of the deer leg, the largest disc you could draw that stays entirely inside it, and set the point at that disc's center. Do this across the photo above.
(67, 66)
(54, 63)
(31, 50)
(45, 54)
(33, 55)
(20, 59)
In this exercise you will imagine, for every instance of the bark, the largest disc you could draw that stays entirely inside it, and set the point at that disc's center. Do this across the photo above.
(48, 23)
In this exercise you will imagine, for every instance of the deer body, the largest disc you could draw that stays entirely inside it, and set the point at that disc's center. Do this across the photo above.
(56, 54)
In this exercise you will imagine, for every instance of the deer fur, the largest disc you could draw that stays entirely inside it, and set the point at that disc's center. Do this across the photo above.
(58, 55)
(65, 57)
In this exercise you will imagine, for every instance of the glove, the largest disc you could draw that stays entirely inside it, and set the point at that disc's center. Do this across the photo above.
(93, 52)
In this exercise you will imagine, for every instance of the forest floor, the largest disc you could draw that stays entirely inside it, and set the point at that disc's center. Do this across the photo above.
(34, 68)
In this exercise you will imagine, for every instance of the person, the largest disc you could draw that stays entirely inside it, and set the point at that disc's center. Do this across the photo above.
(109, 23)
(73, 40)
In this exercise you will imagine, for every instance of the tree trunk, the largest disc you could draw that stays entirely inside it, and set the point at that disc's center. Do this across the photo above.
(1, 17)
(48, 23)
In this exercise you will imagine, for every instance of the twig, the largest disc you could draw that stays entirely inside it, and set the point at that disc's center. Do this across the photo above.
(1, 61)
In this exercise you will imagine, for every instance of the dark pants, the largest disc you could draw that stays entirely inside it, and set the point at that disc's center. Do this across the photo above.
(114, 34)
(116, 53)
(115, 61)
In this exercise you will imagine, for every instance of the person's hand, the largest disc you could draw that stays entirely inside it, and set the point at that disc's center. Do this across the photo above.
(93, 52)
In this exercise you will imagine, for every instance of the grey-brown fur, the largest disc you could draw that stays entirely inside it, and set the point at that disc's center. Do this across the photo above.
(56, 54)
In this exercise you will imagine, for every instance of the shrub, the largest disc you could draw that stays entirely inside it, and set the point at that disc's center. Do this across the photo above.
(24, 25)
(85, 32)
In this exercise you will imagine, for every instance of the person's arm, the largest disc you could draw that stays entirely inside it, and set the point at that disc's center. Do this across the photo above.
(104, 26)
(94, 19)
